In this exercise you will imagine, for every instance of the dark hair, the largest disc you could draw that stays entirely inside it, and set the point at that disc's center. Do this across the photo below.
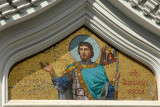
(88, 45)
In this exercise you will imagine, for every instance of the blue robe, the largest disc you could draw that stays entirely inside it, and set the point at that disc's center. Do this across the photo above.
(95, 79)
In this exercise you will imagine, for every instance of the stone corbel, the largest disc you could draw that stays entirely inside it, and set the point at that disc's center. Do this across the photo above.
(5, 14)
(134, 3)
(149, 6)
(157, 18)
(21, 8)
(20, 4)
(3, 9)
(35, 2)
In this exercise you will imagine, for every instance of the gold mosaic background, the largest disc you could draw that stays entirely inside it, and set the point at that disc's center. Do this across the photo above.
(27, 81)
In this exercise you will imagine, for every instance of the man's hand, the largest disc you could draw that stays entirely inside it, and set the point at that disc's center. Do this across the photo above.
(47, 68)
(116, 76)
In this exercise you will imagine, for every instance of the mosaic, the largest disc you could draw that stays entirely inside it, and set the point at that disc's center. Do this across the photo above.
(81, 67)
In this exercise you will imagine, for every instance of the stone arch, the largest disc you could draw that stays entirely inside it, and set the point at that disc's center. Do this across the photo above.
(35, 34)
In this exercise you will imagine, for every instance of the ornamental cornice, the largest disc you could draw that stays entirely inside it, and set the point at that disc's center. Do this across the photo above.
(11, 10)
(54, 24)
(149, 8)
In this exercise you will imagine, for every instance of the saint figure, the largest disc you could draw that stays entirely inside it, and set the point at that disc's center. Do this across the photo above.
(83, 80)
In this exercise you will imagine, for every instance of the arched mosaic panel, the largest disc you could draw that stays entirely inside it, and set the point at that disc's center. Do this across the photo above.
(81, 67)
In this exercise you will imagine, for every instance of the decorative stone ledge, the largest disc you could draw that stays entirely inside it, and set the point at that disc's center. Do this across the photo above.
(39, 32)
(148, 7)
(11, 10)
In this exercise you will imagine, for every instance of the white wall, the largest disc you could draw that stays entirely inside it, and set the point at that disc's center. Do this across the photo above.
(37, 33)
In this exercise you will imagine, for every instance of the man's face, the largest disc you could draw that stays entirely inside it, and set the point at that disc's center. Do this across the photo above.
(85, 53)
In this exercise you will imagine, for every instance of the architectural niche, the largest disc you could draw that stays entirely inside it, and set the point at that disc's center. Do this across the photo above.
(29, 26)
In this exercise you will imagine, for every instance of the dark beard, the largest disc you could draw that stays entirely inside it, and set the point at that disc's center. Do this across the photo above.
(85, 60)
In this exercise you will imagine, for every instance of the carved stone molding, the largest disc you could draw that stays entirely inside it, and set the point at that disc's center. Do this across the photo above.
(148, 7)
(9, 7)
(55, 23)
(11, 10)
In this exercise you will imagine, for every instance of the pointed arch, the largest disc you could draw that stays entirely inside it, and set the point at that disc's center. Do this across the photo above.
(35, 34)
